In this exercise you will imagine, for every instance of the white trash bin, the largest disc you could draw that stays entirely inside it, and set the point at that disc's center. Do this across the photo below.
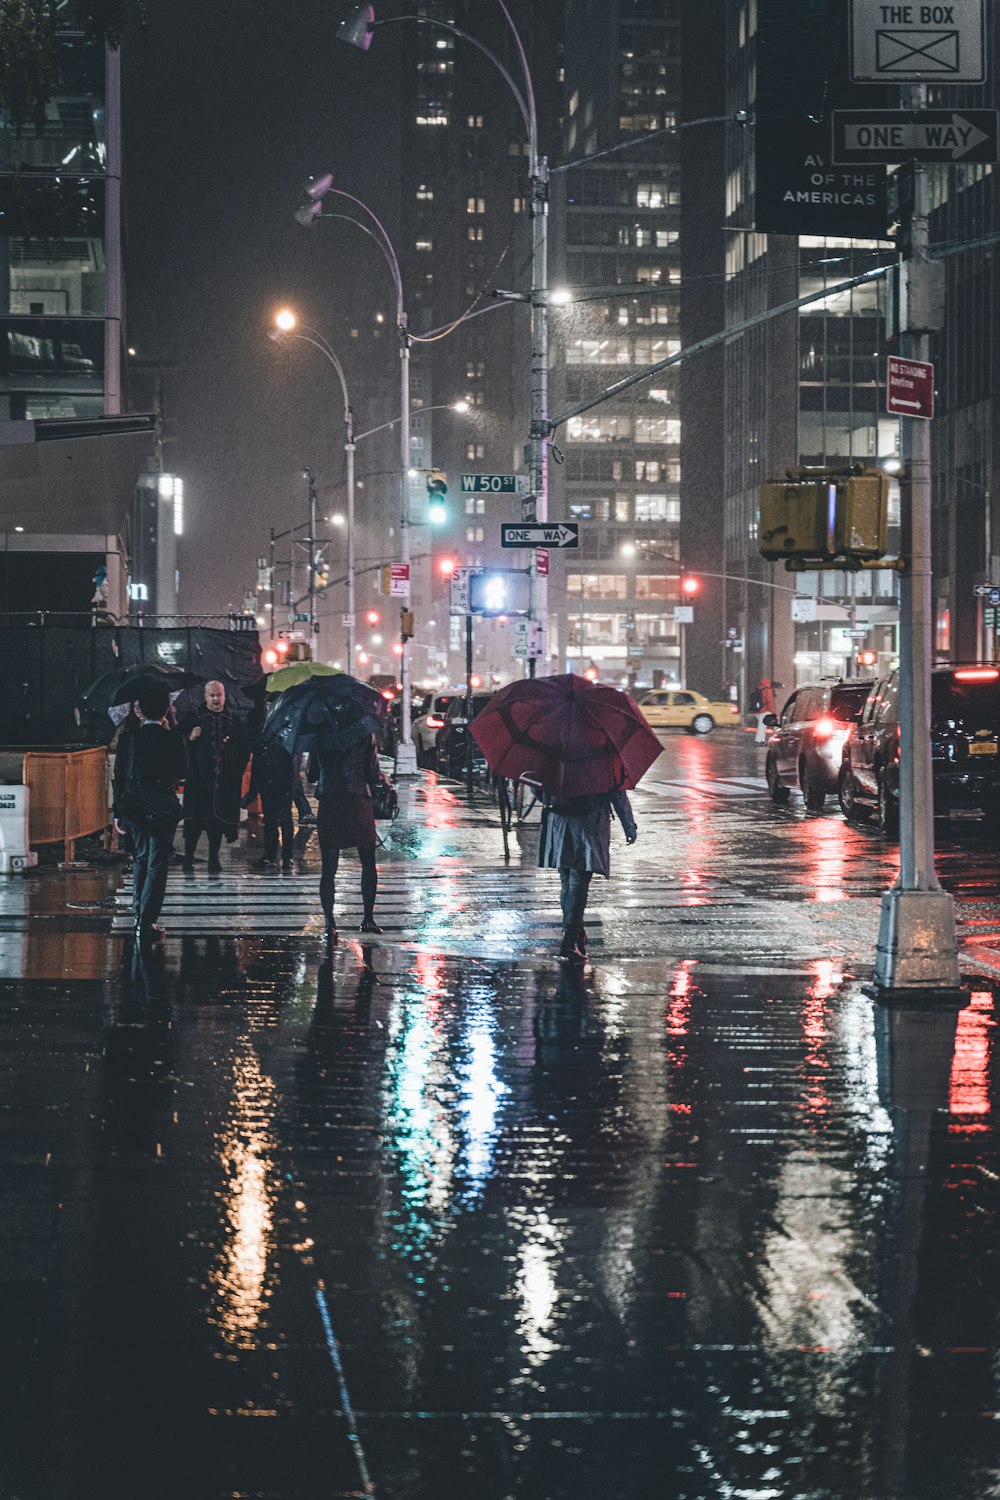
(15, 854)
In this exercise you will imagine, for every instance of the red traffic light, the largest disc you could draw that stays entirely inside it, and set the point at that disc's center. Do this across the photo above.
(447, 566)
(373, 617)
(270, 659)
(690, 585)
(867, 658)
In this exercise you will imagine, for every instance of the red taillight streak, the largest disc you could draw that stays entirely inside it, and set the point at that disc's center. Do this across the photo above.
(432, 723)
(823, 728)
(979, 674)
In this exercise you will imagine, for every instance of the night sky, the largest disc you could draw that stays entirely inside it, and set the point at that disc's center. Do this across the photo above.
(229, 109)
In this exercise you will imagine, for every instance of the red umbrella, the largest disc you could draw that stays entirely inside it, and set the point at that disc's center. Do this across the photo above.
(573, 736)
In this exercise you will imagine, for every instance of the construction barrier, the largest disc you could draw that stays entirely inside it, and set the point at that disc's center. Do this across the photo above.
(68, 796)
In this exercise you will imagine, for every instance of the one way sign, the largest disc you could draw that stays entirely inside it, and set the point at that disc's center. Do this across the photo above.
(889, 135)
(563, 534)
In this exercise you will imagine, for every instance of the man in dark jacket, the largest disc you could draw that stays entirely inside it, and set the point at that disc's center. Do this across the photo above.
(217, 752)
(157, 761)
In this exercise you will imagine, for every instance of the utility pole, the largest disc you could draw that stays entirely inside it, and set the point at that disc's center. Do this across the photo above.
(538, 455)
(917, 945)
(311, 582)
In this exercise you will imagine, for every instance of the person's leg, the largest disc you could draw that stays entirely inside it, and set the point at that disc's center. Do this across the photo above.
(369, 889)
(328, 890)
(140, 844)
(192, 833)
(300, 799)
(214, 830)
(268, 804)
(157, 868)
(287, 828)
(576, 905)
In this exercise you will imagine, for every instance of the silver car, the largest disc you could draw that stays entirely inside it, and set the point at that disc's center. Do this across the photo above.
(806, 743)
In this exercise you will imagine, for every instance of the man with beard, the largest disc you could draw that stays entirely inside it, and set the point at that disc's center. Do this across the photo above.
(217, 752)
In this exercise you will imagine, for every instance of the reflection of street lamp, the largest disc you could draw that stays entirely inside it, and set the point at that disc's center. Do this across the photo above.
(357, 30)
(285, 325)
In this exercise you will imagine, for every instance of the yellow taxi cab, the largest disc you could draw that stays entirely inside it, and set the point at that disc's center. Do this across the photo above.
(680, 708)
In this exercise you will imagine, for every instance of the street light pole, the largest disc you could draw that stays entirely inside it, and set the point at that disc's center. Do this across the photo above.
(287, 327)
(356, 30)
(406, 757)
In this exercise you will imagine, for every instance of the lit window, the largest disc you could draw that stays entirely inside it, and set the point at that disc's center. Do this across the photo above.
(475, 205)
(425, 193)
(474, 122)
(425, 244)
(474, 232)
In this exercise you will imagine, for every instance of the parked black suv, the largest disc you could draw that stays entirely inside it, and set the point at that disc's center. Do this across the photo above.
(807, 741)
(450, 747)
(965, 747)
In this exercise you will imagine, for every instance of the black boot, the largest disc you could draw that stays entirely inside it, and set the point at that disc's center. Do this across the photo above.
(369, 924)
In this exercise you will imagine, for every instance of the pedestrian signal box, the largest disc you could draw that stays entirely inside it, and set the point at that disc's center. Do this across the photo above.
(826, 516)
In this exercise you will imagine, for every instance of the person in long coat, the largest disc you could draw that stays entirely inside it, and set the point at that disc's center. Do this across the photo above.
(217, 752)
(575, 839)
(345, 820)
(157, 760)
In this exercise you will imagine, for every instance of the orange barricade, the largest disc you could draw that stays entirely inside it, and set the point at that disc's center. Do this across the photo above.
(67, 796)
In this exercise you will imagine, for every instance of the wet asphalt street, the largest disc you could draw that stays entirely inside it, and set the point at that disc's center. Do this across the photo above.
(443, 1219)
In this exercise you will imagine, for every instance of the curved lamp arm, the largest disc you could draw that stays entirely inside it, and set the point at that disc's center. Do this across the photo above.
(358, 27)
(319, 191)
(319, 342)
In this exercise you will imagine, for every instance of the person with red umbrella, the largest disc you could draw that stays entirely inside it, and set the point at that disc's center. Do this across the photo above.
(586, 744)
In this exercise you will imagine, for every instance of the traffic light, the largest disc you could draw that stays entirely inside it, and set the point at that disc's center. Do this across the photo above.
(437, 495)
(824, 515)
(690, 586)
(866, 659)
(447, 566)
(373, 617)
(321, 572)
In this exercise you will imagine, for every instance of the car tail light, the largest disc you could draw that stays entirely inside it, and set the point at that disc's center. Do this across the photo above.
(824, 727)
(977, 674)
(733, 709)
(433, 723)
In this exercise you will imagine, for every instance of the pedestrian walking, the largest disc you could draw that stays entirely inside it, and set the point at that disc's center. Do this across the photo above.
(274, 780)
(346, 820)
(217, 752)
(762, 704)
(575, 839)
(148, 810)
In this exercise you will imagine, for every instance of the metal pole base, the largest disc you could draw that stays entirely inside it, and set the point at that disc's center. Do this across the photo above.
(917, 950)
(406, 760)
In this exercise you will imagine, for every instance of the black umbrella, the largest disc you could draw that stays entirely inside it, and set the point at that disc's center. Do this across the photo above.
(325, 713)
(148, 678)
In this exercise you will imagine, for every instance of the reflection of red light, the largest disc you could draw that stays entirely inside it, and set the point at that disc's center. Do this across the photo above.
(978, 674)
(969, 1092)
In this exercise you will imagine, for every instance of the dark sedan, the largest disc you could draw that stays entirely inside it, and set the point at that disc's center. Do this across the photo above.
(965, 748)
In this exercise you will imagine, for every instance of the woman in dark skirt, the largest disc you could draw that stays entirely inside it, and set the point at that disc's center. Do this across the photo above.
(575, 839)
(345, 820)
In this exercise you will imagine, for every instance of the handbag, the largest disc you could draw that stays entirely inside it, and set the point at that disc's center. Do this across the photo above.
(385, 803)
(151, 808)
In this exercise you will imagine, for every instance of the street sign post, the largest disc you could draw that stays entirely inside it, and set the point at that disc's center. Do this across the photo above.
(562, 534)
(917, 42)
(988, 591)
(929, 135)
(527, 639)
(909, 388)
(494, 484)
